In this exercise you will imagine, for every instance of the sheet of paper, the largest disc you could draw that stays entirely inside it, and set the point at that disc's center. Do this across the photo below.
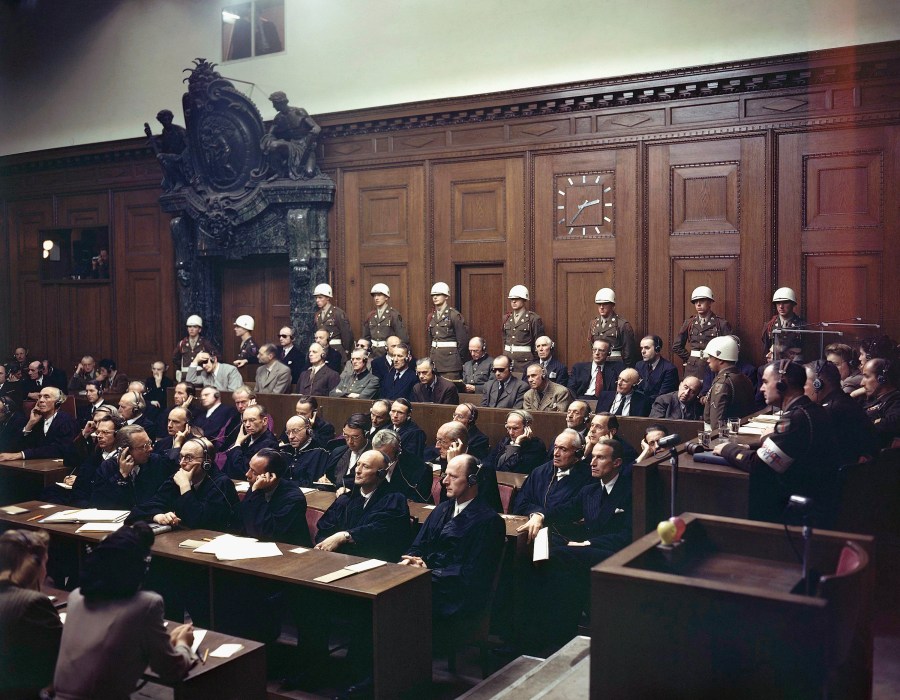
(64, 485)
(226, 650)
(191, 544)
(14, 510)
(366, 565)
(47, 506)
(98, 515)
(242, 486)
(541, 545)
(299, 550)
(334, 576)
(428, 507)
(250, 550)
(307, 489)
(222, 542)
(99, 527)
(62, 617)
(198, 637)
(63, 516)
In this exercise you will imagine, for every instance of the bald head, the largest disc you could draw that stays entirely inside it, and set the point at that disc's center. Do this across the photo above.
(628, 378)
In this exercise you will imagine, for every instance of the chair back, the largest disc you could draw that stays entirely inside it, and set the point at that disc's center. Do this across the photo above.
(312, 522)
(844, 590)
(508, 495)
(436, 488)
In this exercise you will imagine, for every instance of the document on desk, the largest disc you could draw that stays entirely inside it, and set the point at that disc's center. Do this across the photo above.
(64, 485)
(231, 548)
(99, 527)
(334, 576)
(366, 565)
(198, 637)
(87, 515)
(541, 546)
(14, 510)
(299, 550)
(226, 651)
(307, 489)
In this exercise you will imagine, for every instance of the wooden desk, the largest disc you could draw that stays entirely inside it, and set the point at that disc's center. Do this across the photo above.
(702, 488)
(24, 479)
(399, 597)
(715, 616)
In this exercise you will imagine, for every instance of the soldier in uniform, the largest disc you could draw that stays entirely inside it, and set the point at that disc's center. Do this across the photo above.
(731, 394)
(249, 352)
(785, 301)
(697, 331)
(334, 321)
(448, 335)
(797, 458)
(383, 322)
(521, 328)
(610, 326)
(190, 345)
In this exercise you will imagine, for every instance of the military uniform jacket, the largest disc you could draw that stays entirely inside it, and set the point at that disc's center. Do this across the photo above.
(692, 338)
(448, 326)
(249, 351)
(478, 372)
(884, 412)
(279, 515)
(620, 335)
(731, 396)
(334, 320)
(378, 329)
(798, 458)
(519, 336)
(554, 398)
(462, 553)
(365, 384)
(785, 340)
(185, 353)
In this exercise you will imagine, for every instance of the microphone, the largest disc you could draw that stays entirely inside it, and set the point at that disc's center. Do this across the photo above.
(670, 440)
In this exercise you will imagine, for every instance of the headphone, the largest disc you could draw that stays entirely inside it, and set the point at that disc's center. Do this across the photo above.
(206, 445)
(61, 399)
(473, 412)
(657, 343)
(781, 385)
(526, 418)
(7, 405)
(882, 377)
(472, 479)
(817, 381)
(382, 473)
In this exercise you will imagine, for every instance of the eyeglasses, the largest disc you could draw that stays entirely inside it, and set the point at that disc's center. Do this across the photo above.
(283, 335)
(441, 441)
(297, 431)
(499, 369)
(143, 446)
(352, 438)
(188, 458)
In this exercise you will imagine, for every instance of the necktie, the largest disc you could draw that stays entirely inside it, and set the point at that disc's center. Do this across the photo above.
(598, 382)
(396, 377)
(620, 407)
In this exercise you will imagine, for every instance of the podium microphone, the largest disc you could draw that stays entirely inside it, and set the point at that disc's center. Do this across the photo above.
(670, 440)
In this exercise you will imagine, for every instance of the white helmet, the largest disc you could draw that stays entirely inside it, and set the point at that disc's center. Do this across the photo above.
(245, 322)
(784, 294)
(519, 291)
(381, 288)
(605, 296)
(440, 288)
(702, 293)
(194, 320)
(323, 290)
(722, 347)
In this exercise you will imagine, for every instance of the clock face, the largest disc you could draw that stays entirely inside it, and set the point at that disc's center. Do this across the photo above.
(584, 204)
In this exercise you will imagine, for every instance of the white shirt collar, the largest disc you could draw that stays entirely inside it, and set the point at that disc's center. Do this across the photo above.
(460, 507)
(609, 484)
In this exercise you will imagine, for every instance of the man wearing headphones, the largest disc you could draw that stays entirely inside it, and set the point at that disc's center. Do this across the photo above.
(289, 354)
(543, 394)
(578, 418)
(49, 433)
(306, 458)
(461, 542)
(219, 422)
(11, 423)
(521, 450)
(406, 473)
(206, 370)
(412, 437)
(797, 458)
(855, 436)
(274, 509)
(479, 444)
(505, 390)
(198, 496)
(131, 408)
(253, 436)
(881, 380)
(658, 375)
(134, 473)
(432, 388)
(556, 370)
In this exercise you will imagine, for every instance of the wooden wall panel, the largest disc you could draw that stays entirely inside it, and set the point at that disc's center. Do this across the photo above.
(84, 209)
(23, 222)
(384, 241)
(577, 282)
(258, 287)
(482, 302)
(860, 288)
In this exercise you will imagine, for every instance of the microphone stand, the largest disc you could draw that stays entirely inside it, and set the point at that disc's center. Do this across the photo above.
(807, 541)
(673, 463)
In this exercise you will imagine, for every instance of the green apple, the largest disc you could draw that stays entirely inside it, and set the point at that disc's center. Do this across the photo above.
(667, 531)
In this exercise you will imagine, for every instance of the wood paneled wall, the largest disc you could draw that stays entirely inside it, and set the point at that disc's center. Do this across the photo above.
(744, 177)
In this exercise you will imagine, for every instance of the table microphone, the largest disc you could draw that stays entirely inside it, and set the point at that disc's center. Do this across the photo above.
(670, 440)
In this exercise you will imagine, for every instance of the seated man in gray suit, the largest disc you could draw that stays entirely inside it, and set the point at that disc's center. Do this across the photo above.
(682, 404)
(272, 377)
(504, 390)
(206, 370)
(359, 383)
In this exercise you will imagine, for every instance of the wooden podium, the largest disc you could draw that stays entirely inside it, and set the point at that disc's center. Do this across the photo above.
(716, 616)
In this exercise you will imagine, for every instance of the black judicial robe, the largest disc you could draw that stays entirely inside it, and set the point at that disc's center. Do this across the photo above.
(462, 553)
(305, 465)
(543, 493)
(112, 490)
(280, 517)
(208, 505)
(238, 458)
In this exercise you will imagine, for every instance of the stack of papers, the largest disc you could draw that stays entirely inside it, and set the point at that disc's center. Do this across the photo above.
(87, 515)
(350, 570)
(99, 527)
(229, 548)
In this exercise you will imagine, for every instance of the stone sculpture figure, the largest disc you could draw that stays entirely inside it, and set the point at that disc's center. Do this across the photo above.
(290, 145)
(170, 147)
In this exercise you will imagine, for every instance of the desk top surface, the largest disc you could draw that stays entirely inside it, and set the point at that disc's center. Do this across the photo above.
(35, 465)
(290, 567)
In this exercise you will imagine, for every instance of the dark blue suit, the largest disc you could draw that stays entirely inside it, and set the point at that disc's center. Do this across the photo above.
(580, 379)
(58, 442)
(379, 530)
(280, 518)
(543, 493)
(640, 406)
(557, 372)
(412, 438)
(391, 389)
(462, 553)
(661, 380)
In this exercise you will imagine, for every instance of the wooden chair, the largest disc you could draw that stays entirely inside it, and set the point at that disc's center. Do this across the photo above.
(312, 522)
(508, 495)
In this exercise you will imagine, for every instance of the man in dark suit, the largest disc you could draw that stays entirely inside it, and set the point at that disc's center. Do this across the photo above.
(606, 425)
(131, 407)
(253, 436)
(383, 364)
(406, 473)
(332, 356)
(479, 444)
(624, 401)
(399, 380)
(274, 508)
(504, 390)
(319, 379)
(12, 390)
(341, 468)
(432, 388)
(217, 420)
(658, 375)
(49, 433)
(93, 392)
(556, 370)
(11, 423)
(589, 379)
(306, 458)
(412, 437)
(460, 542)
(682, 404)
(134, 475)
(521, 450)
(290, 355)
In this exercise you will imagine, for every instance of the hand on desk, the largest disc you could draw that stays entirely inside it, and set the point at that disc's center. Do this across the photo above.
(333, 543)
(717, 450)
(533, 526)
(183, 634)
(167, 519)
(10, 456)
(69, 480)
(408, 560)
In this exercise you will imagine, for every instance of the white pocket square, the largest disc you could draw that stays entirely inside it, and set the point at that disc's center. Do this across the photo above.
(618, 510)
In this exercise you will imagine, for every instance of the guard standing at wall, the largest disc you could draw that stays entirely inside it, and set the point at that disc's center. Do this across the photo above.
(521, 328)
(448, 335)
(610, 326)
(697, 331)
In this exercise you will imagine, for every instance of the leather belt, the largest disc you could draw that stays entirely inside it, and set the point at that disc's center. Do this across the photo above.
(517, 348)
(379, 343)
(443, 343)
(615, 354)
(335, 341)
(696, 353)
